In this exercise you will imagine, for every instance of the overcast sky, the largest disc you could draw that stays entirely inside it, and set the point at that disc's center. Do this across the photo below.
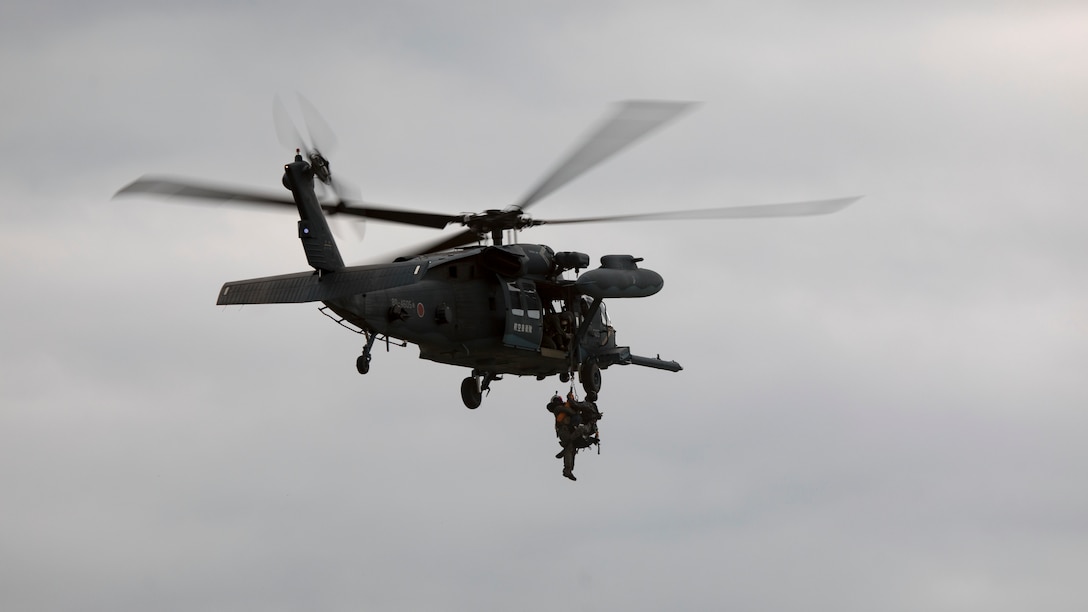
(883, 409)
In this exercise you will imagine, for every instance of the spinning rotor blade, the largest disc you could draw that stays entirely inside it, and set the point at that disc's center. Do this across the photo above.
(393, 215)
(630, 122)
(789, 209)
(759, 211)
(321, 135)
(286, 131)
(167, 187)
(467, 236)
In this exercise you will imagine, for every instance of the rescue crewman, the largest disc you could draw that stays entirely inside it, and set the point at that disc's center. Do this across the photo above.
(575, 422)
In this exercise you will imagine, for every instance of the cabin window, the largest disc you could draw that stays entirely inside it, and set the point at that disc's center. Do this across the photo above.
(523, 319)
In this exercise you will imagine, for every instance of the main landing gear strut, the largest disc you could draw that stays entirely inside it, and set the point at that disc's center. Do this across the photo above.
(362, 364)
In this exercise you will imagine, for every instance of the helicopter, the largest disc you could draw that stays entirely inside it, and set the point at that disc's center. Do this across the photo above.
(470, 299)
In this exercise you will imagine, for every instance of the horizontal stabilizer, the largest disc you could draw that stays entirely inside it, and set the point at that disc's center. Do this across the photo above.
(313, 287)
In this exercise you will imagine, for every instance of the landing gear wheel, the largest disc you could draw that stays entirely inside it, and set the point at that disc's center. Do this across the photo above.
(471, 394)
(590, 375)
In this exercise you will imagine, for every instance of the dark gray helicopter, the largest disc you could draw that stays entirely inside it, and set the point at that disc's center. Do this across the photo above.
(494, 308)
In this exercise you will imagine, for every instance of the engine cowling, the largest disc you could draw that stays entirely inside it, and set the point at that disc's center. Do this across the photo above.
(620, 277)
(519, 259)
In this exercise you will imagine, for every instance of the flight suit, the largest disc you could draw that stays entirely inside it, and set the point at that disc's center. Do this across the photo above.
(565, 416)
(573, 421)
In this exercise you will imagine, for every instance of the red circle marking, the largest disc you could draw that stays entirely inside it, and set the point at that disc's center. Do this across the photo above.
(419, 309)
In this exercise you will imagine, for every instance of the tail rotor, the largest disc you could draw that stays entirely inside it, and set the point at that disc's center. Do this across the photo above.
(315, 137)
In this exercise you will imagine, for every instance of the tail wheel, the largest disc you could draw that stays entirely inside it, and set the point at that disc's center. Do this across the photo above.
(471, 394)
(362, 364)
(590, 376)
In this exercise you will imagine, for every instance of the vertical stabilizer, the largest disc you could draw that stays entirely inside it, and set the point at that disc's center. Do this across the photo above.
(313, 229)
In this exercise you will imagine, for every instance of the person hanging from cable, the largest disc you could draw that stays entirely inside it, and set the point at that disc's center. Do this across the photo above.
(575, 426)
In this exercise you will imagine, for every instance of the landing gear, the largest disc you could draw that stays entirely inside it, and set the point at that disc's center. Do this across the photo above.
(590, 376)
(362, 364)
(473, 388)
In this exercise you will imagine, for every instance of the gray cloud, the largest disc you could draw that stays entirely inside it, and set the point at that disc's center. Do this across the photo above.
(879, 409)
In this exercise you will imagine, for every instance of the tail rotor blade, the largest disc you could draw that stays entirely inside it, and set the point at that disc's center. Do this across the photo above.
(286, 131)
(321, 135)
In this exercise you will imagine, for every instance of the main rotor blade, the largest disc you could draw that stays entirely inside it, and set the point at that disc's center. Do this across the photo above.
(759, 211)
(452, 241)
(394, 215)
(168, 187)
(631, 121)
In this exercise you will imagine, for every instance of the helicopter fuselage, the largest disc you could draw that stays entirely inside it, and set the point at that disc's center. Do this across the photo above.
(501, 309)
(463, 311)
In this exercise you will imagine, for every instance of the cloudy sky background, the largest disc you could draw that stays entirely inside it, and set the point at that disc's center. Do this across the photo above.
(880, 409)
